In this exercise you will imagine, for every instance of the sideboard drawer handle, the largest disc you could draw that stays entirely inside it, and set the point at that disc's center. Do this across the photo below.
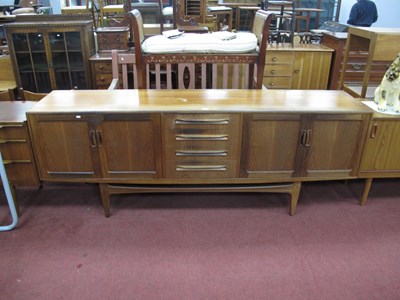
(202, 137)
(201, 168)
(202, 121)
(201, 153)
(11, 126)
(16, 161)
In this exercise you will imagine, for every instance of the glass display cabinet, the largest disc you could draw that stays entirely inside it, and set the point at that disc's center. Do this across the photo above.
(51, 55)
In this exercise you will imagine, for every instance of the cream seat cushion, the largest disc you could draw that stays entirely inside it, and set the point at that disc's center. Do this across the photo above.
(23, 10)
(216, 42)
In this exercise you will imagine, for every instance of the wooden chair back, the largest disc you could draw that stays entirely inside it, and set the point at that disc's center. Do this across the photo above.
(190, 71)
(30, 96)
(7, 95)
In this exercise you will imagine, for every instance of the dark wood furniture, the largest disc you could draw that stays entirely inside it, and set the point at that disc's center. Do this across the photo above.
(138, 141)
(51, 55)
(145, 61)
(15, 144)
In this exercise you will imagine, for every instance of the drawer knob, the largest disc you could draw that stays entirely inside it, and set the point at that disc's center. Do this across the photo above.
(271, 83)
(273, 71)
(101, 67)
(274, 58)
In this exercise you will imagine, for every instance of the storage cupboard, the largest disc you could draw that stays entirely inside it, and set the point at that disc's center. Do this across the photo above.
(303, 66)
(15, 144)
(51, 55)
(198, 140)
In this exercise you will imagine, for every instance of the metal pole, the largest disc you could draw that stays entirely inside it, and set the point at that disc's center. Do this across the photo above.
(9, 197)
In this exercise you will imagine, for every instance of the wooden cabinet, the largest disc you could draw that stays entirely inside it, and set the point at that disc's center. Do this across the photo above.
(101, 66)
(15, 145)
(87, 146)
(379, 45)
(301, 67)
(51, 55)
(310, 146)
(198, 140)
(380, 157)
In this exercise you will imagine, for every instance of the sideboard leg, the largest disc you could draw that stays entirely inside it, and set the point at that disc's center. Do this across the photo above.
(294, 197)
(105, 198)
(367, 187)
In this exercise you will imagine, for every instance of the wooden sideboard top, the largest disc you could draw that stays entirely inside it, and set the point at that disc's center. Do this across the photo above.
(199, 101)
(14, 111)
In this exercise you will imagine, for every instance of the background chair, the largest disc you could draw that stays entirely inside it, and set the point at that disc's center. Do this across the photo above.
(7, 95)
(194, 70)
(30, 96)
(111, 9)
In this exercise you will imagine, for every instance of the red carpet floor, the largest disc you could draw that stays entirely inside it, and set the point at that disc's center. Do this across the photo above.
(203, 246)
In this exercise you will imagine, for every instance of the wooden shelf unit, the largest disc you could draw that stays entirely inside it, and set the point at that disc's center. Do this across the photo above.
(379, 44)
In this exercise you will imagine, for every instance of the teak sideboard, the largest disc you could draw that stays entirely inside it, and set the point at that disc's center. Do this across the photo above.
(133, 141)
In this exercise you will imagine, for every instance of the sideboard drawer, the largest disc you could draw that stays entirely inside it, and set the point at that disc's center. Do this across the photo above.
(200, 146)
(278, 70)
(278, 82)
(17, 154)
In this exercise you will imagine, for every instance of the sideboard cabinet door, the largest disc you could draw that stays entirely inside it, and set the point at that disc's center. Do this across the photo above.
(381, 152)
(269, 145)
(86, 146)
(330, 145)
(65, 146)
(130, 145)
(280, 146)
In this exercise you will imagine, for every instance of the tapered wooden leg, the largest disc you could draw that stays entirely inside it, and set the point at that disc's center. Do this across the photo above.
(105, 198)
(294, 197)
(367, 187)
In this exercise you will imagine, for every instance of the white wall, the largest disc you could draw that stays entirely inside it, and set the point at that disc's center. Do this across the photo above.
(388, 12)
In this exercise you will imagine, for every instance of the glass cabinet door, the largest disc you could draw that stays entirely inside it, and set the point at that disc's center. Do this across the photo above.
(32, 63)
(67, 60)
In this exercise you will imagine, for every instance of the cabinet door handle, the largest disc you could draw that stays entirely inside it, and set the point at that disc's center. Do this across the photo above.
(373, 131)
(10, 126)
(297, 71)
(12, 141)
(201, 168)
(201, 121)
(202, 137)
(13, 161)
(93, 140)
(308, 138)
(303, 137)
(99, 138)
(201, 153)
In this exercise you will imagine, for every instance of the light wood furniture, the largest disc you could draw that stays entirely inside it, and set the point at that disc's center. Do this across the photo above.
(198, 140)
(51, 55)
(381, 44)
(356, 62)
(304, 66)
(7, 78)
(380, 158)
(111, 8)
(15, 144)
(188, 62)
